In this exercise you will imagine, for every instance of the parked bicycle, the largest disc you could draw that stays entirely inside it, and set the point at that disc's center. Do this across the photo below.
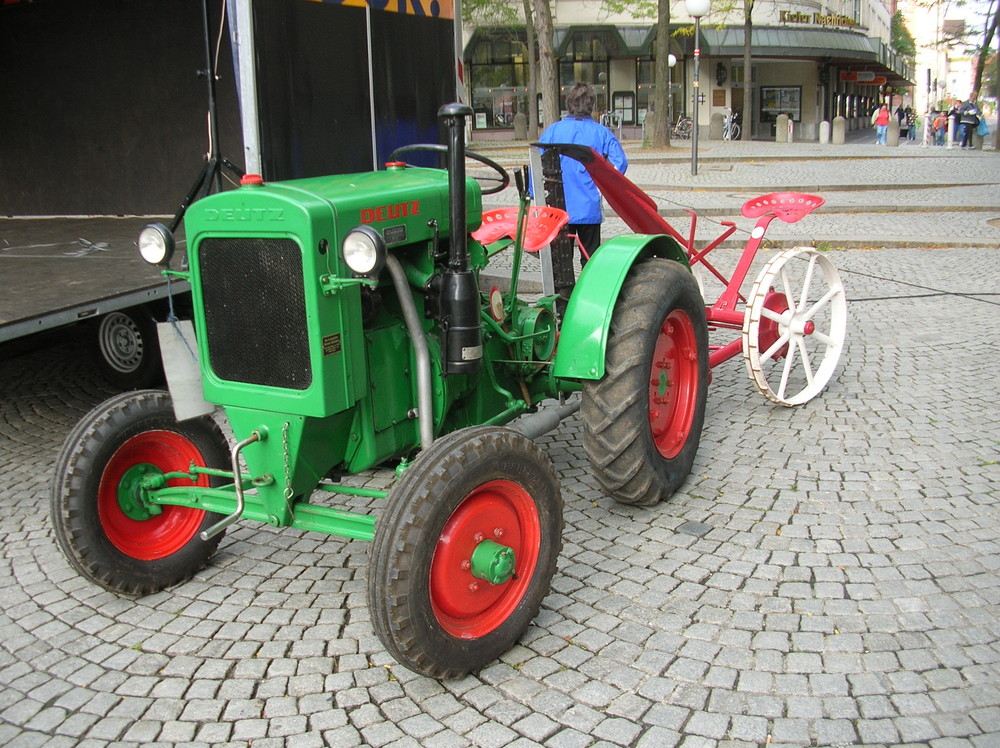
(682, 128)
(731, 125)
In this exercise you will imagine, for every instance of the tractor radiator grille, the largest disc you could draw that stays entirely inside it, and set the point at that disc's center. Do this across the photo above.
(255, 314)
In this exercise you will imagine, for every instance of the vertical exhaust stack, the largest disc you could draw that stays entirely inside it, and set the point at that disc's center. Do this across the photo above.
(462, 333)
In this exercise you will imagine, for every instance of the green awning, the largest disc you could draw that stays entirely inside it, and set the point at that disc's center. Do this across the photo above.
(769, 41)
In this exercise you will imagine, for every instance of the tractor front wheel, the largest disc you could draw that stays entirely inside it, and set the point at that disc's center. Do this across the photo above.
(465, 550)
(101, 523)
(642, 421)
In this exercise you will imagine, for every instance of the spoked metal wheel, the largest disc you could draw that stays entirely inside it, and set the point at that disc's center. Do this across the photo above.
(464, 551)
(794, 326)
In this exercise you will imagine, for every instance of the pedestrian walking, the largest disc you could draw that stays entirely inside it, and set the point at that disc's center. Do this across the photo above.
(940, 128)
(881, 121)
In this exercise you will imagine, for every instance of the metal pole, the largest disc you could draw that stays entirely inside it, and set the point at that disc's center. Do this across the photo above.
(244, 43)
(694, 133)
(670, 98)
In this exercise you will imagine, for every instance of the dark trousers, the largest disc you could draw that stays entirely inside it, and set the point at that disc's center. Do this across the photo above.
(967, 131)
(589, 235)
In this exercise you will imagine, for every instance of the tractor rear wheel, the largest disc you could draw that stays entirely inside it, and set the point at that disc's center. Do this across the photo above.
(465, 550)
(106, 531)
(642, 421)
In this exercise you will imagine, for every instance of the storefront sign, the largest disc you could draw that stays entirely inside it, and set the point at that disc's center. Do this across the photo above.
(859, 76)
(816, 19)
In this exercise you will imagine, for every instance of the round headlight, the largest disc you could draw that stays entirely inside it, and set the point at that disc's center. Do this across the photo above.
(156, 244)
(364, 251)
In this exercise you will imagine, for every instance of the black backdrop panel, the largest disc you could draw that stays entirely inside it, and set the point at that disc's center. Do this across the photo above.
(414, 77)
(312, 88)
(101, 108)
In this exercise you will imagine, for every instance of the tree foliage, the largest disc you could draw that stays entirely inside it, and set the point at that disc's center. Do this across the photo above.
(901, 38)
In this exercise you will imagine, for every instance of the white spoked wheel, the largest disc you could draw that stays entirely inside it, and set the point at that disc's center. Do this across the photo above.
(794, 326)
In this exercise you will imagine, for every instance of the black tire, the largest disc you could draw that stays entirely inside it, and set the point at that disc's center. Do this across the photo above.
(127, 351)
(132, 555)
(428, 609)
(642, 422)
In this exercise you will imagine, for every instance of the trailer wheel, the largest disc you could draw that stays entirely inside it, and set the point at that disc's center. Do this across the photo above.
(794, 326)
(107, 534)
(465, 551)
(128, 354)
(642, 421)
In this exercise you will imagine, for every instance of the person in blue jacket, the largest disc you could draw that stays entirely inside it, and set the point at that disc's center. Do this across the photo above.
(583, 199)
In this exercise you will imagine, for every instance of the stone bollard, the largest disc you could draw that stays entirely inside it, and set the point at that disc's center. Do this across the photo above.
(824, 132)
(839, 130)
(892, 133)
(715, 126)
(520, 126)
(781, 129)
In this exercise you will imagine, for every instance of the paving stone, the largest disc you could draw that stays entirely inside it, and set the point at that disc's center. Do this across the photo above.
(870, 619)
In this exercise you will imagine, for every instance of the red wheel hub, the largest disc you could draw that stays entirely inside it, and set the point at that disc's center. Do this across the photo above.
(768, 333)
(673, 384)
(161, 534)
(501, 512)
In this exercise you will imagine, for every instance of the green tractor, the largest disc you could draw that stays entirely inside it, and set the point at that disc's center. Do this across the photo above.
(341, 327)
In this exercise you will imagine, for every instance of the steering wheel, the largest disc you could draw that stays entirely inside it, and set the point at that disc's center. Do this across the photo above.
(501, 180)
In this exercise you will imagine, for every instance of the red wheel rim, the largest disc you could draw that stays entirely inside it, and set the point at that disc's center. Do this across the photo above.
(767, 331)
(161, 534)
(467, 607)
(673, 384)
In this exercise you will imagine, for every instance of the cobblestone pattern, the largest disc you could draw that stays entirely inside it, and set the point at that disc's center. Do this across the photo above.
(846, 592)
(920, 197)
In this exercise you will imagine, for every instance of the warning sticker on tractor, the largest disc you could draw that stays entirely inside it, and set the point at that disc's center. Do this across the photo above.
(331, 344)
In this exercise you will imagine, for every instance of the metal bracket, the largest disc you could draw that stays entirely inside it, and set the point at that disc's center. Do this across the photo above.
(234, 455)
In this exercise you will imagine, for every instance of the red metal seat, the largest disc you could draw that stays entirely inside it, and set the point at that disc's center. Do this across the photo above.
(542, 225)
(788, 206)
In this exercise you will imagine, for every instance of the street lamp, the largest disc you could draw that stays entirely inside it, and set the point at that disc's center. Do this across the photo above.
(696, 9)
(671, 61)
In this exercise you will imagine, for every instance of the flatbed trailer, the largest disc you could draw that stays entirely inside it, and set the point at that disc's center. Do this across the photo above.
(70, 270)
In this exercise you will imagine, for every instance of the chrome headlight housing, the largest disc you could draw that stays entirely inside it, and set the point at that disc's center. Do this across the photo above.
(156, 244)
(364, 251)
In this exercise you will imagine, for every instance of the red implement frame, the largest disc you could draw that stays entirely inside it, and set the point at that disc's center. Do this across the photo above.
(640, 213)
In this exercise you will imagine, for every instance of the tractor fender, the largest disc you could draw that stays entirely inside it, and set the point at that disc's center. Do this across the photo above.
(583, 337)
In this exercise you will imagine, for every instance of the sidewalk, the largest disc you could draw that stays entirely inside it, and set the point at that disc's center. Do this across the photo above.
(904, 196)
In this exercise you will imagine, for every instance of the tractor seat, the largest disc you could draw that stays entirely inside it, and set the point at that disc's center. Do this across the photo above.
(788, 206)
(542, 225)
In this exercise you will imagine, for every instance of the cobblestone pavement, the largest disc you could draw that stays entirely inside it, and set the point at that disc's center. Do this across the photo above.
(829, 575)
(906, 196)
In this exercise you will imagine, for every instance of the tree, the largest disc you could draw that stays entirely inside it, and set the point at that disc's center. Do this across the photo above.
(983, 50)
(747, 75)
(547, 66)
(532, 72)
(900, 37)
(662, 76)
(659, 118)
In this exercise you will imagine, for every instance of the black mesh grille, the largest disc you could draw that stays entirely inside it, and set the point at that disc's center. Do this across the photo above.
(255, 311)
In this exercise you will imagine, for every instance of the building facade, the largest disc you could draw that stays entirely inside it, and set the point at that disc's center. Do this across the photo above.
(811, 60)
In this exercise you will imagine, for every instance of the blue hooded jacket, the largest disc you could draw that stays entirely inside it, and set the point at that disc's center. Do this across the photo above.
(583, 199)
